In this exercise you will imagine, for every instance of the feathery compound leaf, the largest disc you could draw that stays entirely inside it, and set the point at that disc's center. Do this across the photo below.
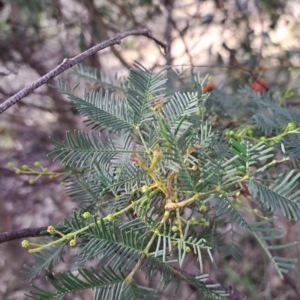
(271, 233)
(101, 78)
(103, 109)
(280, 195)
(84, 188)
(178, 107)
(109, 284)
(43, 260)
(261, 231)
(158, 181)
(84, 149)
(145, 88)
(177, 157)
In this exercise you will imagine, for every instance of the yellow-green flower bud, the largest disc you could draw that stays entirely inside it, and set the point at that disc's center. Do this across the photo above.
(25, 244)
(86, 215)
(262, 138)
(37, 164)
(62, 183)
(239, 201)
(188, 249)
(145, 188)
(206, 224)
(277, 138)
(291, 126)
(10, 165)
(50, 229)
(203, 208)
(45, 170)
(174, 243)
(194, 221)
(18, 172)
(25, 167)
(31, 181)
(73, 243)
(175, 228)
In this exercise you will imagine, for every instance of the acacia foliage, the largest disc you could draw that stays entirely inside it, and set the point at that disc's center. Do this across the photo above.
(158, 174)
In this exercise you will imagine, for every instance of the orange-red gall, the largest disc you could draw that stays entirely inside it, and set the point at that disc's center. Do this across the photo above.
(208, 88)
(260, 85)
(243, 186)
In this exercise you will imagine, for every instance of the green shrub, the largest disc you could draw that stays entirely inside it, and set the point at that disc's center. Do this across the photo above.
(162, 172)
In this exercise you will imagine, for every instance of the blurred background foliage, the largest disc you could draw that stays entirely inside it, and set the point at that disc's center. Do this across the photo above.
(235, 41)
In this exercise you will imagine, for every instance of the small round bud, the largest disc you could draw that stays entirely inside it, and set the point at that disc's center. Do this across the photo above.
(51, 177)
(194, 168)
(277, 138)
(231, 132)
(73, 243)
(18, 172)
(290, 69)
(157, 155)
(62, 183)
(203, 208)
(86, 215)
(64, 164)
(50, 229)
(174, 243)
(188, 249)
(25, 167)
(194, 221)
(145, 188)
(45, 170)
(31, 181)
(271, 143)
(255, 211)
(10, 165)
(202, 220)
(239, 201)
(262, 138)
(206, 224)
(37, 164)
(174, 228)
(25, 244)
(291, 126)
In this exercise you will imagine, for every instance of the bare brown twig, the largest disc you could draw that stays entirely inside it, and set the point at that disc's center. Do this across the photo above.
(70, 62)
(21, 233)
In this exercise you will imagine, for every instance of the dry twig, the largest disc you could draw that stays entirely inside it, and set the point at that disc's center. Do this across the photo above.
(70, 62)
